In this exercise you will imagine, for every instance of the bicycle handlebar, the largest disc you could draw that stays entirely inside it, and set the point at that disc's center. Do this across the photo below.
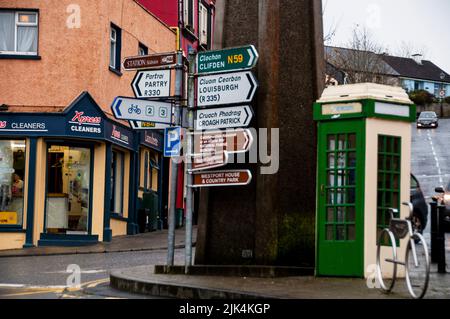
(393, 211)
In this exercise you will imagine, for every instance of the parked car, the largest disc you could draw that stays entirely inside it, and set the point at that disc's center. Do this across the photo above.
(443, 197)
(427, 119)
(420, 213)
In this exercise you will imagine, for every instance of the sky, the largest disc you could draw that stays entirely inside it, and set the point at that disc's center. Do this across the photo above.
(418, 23)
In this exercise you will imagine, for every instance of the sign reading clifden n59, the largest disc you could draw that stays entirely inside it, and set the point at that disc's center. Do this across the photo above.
(149, 61)
(222, 178)
(227, 60)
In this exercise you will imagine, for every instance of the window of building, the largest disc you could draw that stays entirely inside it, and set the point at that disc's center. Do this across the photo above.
(389, 168)
(12, 177)
(142, 49)
(204, 25)
(188, 14)
(117, 174)
(115, 48)
(18, 32)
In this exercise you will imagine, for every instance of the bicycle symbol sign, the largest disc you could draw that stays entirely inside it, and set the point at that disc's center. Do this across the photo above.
(134, 109)
(142, 110)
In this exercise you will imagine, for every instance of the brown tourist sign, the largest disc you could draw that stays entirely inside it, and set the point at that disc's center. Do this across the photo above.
(231, 141)
(222, 178)
(149, 61)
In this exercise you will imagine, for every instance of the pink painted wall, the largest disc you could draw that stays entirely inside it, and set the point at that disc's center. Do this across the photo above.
(76, 60)
(166, 10)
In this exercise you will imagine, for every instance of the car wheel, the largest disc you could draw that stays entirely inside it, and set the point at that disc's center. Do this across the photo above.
(417, 223)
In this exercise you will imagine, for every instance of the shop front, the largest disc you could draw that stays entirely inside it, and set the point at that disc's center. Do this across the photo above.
(65, 178)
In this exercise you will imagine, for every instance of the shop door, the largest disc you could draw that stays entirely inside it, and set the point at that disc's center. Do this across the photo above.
(340, 199)
(68, 190)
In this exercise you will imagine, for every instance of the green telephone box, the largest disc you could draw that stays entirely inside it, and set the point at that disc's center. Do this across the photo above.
(364, 147)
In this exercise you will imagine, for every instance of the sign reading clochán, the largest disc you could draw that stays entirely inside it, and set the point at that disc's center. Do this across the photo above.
(230, 59)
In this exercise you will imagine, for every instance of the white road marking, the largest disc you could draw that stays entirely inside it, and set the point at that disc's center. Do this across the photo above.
(94, 271)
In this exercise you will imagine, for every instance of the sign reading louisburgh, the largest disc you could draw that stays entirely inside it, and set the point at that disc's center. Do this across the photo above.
(142, 110)
(230, 88)
(227, 60)
(231, 141)
(224, 117)
(149, 61)
(222, 178)
(154, 84)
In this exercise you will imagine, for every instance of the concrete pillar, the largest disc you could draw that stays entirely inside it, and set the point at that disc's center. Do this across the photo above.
(273, 217)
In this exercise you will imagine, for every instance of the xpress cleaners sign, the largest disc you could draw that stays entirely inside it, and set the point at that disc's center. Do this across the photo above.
(82, 123)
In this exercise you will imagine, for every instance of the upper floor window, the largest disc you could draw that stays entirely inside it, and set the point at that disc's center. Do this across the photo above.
(115, 48)
(142, 50)
(204, 25)
(188, 14)
(18, 32)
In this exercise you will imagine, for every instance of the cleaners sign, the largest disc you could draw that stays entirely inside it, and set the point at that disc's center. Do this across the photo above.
(84, 123)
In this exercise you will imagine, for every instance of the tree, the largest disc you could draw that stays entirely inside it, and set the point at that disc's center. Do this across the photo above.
(407, 49)
(362, 60)
(421, 97)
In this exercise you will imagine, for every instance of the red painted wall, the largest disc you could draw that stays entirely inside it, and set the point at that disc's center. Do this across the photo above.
(166, 10)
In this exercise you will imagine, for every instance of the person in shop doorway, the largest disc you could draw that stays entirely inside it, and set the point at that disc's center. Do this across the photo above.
(17, 187)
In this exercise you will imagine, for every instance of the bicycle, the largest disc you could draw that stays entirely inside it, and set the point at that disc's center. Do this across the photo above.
(417, 260)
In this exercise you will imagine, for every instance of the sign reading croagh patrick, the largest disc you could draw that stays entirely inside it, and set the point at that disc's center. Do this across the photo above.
(230, 88)
(227, 60)
(224, 117)
(222, 178)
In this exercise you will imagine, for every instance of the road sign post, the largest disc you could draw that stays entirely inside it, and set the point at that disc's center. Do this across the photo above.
(226, 60)
(230, 88)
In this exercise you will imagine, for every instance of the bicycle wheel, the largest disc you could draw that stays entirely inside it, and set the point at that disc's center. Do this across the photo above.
(386, 262)
(417, 263)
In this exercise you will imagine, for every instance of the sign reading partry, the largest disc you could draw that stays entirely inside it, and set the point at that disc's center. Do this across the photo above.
(149, 61)
(224, 117)
(230, 88)
(152, 84)
(226, 60)
(141, 110)
(222, 178)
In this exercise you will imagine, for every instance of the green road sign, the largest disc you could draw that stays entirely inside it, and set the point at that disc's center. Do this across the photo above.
(227, 59)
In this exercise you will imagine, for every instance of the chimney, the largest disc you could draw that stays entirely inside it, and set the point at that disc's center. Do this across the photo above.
(417, 58)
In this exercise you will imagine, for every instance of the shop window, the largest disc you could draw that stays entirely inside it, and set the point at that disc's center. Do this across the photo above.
(18, 32)
(117, 173)
(68, 189)
(389, 159)
(115, 48)
(12, 177)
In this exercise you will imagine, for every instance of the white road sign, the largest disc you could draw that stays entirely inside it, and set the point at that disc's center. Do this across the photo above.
(141, 110)
(224, 117)
(152, 84)
(230, 88)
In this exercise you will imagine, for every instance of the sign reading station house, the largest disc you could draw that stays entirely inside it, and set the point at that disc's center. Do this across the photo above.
(224, 117)
(152, 84)
(149, 61)
(222, 178)
(230, 88)
(226, 60)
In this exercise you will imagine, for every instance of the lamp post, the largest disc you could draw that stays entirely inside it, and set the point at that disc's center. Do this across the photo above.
(442, 76)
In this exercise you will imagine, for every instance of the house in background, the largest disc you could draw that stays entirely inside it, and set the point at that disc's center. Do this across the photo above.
(194, 20)
(364, 66)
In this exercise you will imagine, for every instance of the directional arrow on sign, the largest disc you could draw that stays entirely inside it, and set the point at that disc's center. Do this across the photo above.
(152, 84)
(231, 141)
(141, 110)
(229, 88)
(202, 161)
(226, 60)
(139, 125)
(224, 117)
